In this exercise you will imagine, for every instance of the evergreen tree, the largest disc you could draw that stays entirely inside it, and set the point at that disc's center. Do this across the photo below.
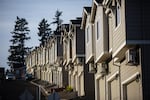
(44, 31)
(18, 51)
(57, 20)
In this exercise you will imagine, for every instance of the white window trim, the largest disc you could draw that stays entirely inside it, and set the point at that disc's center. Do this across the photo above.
(98, 29)
(119, 24)
(87, 34)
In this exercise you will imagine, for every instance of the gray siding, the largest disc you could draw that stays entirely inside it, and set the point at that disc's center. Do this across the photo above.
(145, 58)
(146, 19)
(59, 47)
(133, 15)
(89, 84)
(80, 41)
(65, 78)
(137, 13)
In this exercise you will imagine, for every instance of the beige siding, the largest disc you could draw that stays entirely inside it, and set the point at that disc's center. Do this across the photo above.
(113, 82)
(89, 44)
(128, 69)
(74, 46)
(64, 51)
(119, 35)
(46, 55)
(112, 68)
(132, 88)
(42, 56)
(110, 34)
(97, 86)
(132, 91)
(55, 50)
(80, 83)
(101, 42)
(53, 53)
(102, 89)
(68, 51)
(114, 90)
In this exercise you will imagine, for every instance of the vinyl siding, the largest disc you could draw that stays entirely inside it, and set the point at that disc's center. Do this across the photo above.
(132, 91)
(52, 53)
(133, 16)
(80, 41)
(128, 69)
(89, 79)
(99, 41)
(102, 88)
(74, 44)
(59, 48)
(89, 44)
(80, 84)
(146, 19)
(64, 52)
(110, 32)
(114, 90)
(112, 69)
(145, 62)
(102, 38)
(119, 35)
(69, 50)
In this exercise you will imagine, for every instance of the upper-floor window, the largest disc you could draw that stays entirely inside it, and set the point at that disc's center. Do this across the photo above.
(117, 15)
(98, 29)
(87, 34)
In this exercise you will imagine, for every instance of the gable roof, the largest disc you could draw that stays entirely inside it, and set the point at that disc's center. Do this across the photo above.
(76, 21)
(86, 11)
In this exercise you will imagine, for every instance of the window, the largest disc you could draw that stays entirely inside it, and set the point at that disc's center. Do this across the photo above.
(98, 30)
(117, 15)
(87, 34)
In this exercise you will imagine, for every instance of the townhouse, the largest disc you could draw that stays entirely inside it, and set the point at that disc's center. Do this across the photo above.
(67, 55)
(45, 61)
(109, 54)
(58, 58)
(74, 60)
(117, 31)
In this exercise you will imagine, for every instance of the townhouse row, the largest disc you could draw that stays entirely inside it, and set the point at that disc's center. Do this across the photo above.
(45, 61)
(103, 56)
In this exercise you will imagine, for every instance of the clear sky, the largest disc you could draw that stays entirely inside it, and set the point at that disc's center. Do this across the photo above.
(33, 11)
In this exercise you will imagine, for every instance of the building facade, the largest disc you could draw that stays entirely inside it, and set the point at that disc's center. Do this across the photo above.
(45, 61)
(74, 60)
(105, 54)
(118, 38)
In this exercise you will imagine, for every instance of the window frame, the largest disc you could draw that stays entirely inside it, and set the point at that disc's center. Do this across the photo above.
(87, 33)
(97, 29)
(117, 15)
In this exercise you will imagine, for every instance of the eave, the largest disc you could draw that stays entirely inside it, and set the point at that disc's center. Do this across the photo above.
(86, 12)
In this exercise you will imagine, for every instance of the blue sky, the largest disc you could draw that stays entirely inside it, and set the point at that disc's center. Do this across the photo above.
(33, 11)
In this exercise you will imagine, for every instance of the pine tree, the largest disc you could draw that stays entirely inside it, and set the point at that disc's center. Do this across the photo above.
(18, 51)
(57, 20)
(44, 31)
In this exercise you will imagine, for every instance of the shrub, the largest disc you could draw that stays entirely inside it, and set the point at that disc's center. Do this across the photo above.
(69, 89)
